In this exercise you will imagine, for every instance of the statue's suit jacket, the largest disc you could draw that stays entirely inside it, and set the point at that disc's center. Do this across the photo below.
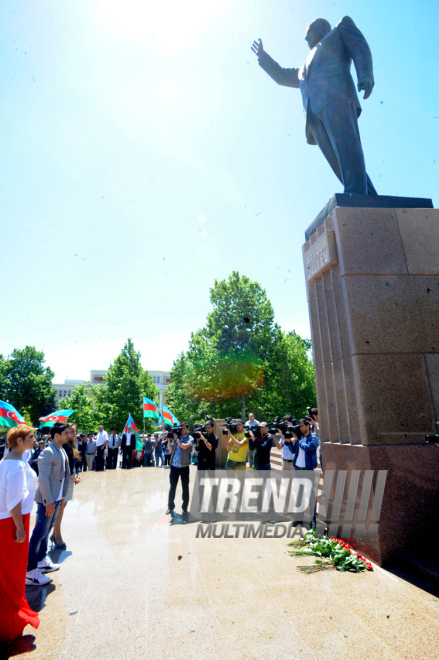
(325, 76)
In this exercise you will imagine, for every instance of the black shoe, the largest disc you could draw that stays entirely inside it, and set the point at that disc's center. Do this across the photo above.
(184, 512)
(169, 511)
(57, 546)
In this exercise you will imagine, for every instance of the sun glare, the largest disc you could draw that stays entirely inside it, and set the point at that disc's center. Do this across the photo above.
(168, 25)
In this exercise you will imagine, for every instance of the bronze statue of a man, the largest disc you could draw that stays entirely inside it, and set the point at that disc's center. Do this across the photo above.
(329, 97)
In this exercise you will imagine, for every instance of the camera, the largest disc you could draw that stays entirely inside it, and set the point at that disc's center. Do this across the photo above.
(256, 433)
(296, 430)
(279, 424)
(199, 429)
(173, 429)
(311, 414)
(230, 425)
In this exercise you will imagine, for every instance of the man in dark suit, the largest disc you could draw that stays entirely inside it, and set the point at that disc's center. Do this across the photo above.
(128, 445)
(329, 97)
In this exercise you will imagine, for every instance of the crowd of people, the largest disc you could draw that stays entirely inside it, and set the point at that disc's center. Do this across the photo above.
(47, 469)
(248, 444)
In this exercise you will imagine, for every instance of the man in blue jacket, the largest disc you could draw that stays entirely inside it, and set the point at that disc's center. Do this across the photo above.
(305, 448)
(305, 455)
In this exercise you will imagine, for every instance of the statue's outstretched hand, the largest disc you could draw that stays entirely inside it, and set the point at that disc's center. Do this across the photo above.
(257, 47)
(366, 84)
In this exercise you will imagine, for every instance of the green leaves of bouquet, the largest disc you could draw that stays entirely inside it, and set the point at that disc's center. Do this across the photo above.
(330, 553)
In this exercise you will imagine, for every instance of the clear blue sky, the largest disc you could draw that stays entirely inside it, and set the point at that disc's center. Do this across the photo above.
(144, 153)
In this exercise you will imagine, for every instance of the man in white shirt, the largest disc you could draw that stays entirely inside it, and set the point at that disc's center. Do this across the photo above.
(90, 451)
(287, 444)
(113, 449)
(101, 443)
(251, 425)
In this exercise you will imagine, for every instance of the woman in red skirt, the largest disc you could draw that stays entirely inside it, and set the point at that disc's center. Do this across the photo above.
(17, 491)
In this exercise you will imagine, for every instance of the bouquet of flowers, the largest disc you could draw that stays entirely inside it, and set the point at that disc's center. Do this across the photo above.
(330, 553)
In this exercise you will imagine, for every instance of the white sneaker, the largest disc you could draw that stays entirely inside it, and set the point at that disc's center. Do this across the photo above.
(36, 578)
(46, 565)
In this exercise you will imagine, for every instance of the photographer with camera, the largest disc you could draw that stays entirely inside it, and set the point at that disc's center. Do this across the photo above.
(251, 425)
(286, 442)
(180, 445)
(306, 447)
(206, 446)
(314, 428)
(237, 445)
(262, 443)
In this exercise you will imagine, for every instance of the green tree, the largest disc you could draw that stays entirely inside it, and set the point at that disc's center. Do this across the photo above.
(241, 360)
(83, 402)
(187, 408)
(26, 383)
(292, 378)
(126, 383)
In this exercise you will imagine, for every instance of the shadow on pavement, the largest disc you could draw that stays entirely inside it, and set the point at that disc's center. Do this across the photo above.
(21, 645)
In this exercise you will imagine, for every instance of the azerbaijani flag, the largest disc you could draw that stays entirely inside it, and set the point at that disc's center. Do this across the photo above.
(130, 422)
(57, 416)
(150, 409)
(169, 417)
(9, 416)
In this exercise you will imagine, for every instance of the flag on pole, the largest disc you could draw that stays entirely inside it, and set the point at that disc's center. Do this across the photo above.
(130, 422)
(150, 409)
(9, 416)
(57, 416)
(169, 417)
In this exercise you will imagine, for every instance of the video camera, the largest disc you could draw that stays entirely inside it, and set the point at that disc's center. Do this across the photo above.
(199, 429)
(310, 416)
(288, 430)
(230, 425)
(173, 429)
(256, 433)
(279, 424)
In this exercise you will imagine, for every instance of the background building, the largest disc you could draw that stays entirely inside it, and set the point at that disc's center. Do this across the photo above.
(66, 388)
(161, 380)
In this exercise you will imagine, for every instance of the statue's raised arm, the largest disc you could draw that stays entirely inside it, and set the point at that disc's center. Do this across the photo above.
(287, 77)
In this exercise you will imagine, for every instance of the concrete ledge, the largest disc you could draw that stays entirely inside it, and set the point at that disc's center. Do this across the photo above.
(367, 202)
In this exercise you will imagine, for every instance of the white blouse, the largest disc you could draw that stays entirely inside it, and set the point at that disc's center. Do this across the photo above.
(17, 484)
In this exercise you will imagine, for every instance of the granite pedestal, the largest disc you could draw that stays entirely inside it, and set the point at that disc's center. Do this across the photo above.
(372, 278)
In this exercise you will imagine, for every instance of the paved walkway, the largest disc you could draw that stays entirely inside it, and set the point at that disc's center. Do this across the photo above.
(133, 586)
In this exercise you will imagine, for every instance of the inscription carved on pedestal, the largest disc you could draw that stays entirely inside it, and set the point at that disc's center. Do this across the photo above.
(321, 256)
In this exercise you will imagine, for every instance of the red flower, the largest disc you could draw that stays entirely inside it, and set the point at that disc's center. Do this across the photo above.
(369, 566)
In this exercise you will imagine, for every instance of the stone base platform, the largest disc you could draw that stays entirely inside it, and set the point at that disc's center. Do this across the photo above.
(410, 506)
(134, 586)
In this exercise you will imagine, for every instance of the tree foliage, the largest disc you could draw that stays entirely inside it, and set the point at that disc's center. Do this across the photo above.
(83, 401)
(241, 359)
(26, 383)
(126, 383)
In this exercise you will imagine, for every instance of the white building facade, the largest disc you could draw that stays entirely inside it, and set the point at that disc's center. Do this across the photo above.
(161, 380)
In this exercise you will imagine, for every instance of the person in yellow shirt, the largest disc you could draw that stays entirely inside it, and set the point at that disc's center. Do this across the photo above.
(237, 446)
